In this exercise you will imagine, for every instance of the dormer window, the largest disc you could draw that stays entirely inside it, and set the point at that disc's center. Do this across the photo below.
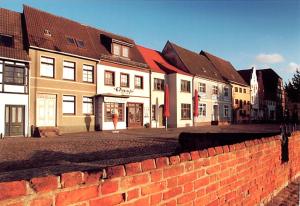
(47, 32)
(117, 49)
(6, 40)
(120, 50)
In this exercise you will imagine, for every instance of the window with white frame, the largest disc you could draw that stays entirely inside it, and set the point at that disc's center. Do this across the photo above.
(125, 51)
(117, 49)
(202, 110)
(202, 87)
(226, 92)
(87, 105)
(1, 72)
(215, 90)
(47, 67)
(88, 73)
(69, 70)
(68, 104)
(226, 111)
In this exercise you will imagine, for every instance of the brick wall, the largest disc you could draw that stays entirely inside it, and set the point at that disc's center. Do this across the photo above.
(246, 173)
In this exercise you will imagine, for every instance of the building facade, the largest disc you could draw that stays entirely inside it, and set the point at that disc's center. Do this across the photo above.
(14, 69)
(214, 94)
(63, 74)
(240, 88)
(180, 91)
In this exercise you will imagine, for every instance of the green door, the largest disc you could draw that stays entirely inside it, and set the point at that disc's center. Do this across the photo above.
(14, 120)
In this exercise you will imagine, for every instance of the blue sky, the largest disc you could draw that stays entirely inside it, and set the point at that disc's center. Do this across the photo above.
(261, 33)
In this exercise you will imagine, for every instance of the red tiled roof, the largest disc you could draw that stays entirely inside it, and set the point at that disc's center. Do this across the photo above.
(11, 24)
(196, 64)
(225, 68)
(60, 28)
(157, 63)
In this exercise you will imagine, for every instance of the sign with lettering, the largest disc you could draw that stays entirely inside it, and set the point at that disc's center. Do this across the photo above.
(124, 91)
(115, 99)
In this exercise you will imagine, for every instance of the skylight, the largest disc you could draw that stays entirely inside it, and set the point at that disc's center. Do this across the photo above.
(70, 40)
(80, 43)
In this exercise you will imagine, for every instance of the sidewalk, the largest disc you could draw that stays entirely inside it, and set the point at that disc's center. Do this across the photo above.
(289, 196)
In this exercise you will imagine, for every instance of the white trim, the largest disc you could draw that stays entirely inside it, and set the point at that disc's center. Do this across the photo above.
(73, 90)
(12, 59)
(74, 55)
(59, 80)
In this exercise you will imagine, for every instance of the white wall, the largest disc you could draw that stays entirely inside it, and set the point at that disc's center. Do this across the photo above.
(159, 95)
(183, 98)
(102, 88)
(135, 95)
(210, 100)
(13, 99)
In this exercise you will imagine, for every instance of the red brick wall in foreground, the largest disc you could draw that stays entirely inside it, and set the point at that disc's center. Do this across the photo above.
(241, 174)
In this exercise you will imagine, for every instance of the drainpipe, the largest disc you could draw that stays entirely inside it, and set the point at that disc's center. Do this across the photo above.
(193, 94)
(150, 99)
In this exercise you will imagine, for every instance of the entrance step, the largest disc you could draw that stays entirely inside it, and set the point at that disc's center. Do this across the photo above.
(47, 132)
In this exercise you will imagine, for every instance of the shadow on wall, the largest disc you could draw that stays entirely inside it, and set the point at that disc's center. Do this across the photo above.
(199, 141)
(87, 121)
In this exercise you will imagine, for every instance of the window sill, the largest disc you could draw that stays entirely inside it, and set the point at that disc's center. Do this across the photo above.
(185, 119)
(47, 77)
(69, 80)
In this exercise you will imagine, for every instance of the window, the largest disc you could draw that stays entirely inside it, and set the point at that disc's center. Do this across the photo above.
(6, 40)
(1, 72)
(226, 111)
(124, 80)
(185, 111)
(47, 67)
(125, 51)
(68, 104)
(80, 43)
(87, 105)
(117, 49)
(244, 102)
(244, 90)
(110, 108)
(240, 89)
(120, 50)
(226, 92)
(88, 73)
(185, 86)
(236, 101)
(202, 110)
(109, 78)
(69, 70)
(215, 90)
(138, 82)
(159, 84)
(202, 88)
(236, 89)
(13, 75)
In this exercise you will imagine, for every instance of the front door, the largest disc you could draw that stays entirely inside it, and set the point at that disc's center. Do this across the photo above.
(14, 120)
(161, 118)
(46, 110)
(215, 113)
(135, 115)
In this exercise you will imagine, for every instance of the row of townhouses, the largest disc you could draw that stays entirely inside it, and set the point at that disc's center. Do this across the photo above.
(57, 75)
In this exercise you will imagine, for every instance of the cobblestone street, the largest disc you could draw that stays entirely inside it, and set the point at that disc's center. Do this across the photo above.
(289, 196)
(28, 157)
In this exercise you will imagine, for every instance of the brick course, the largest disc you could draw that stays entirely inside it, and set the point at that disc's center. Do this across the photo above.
(247, 173)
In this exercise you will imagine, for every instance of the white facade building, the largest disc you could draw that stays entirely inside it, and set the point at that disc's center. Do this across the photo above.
(122, 89)
(13, 98)
(214, 101)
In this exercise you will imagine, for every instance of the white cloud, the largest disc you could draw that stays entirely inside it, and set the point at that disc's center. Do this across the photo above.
(292, 67)
(269, 58)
